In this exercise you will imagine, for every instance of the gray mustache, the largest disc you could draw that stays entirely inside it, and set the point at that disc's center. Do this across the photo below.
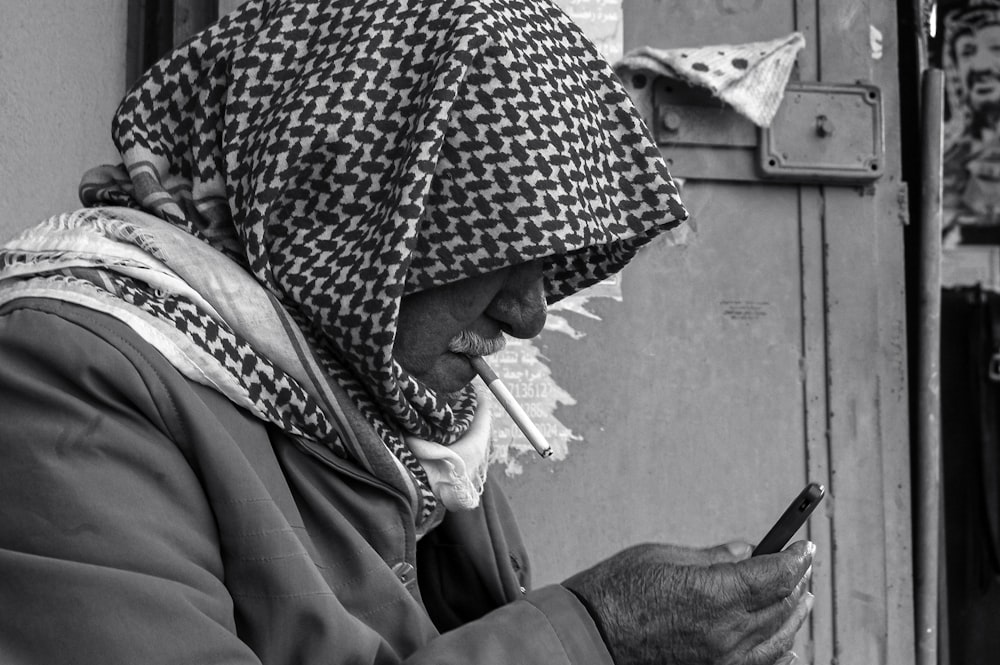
(473, 344)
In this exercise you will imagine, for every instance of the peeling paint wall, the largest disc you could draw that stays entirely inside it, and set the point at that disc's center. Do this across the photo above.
(522, 365)
(525, 371)
(601, 21)
(62, 73)
(765, 352)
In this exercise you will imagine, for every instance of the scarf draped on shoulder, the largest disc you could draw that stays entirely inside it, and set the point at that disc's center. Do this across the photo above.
(346, 153)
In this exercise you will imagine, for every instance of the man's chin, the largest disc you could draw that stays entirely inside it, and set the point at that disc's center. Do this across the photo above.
(454, 396)
(449, 377)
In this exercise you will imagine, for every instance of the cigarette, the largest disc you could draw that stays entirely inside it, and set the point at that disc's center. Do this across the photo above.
(510, 405)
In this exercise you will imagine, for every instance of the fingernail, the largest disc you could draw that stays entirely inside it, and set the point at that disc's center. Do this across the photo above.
(810, 548)
(787, 659)
(740, 550)
(810, 599)
(809, 573)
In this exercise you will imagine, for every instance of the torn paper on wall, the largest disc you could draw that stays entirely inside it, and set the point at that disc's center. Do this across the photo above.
(749, 77)
(525, 370)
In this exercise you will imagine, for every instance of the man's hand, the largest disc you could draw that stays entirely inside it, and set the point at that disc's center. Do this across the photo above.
(670, 605)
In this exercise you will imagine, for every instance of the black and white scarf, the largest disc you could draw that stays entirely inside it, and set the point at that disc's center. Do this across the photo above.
(347, 153)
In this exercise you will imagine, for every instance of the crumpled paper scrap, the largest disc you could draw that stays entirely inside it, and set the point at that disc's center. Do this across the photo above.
(749, 77)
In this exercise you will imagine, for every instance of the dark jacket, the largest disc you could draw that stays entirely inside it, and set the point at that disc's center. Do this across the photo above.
(146, 519)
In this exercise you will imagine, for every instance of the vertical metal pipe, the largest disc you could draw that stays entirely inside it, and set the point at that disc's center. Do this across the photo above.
(928, 417)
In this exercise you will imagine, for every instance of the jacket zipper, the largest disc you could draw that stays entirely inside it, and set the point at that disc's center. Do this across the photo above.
(410, 547)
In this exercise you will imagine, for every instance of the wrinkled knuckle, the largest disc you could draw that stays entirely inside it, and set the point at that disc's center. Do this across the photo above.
(743, 589)
(786, 581)
(786, 644)
(715, 592)
(731, 639)
(689, 584)
(785, 588)
(720, 642)
(771, 650)
(735, 658)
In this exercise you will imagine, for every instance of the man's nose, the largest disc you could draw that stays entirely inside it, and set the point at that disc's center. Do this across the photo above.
(520, 305)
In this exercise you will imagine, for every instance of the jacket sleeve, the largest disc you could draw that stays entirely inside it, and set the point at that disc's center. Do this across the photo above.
(110, 551)
(476, 561)
(549, 625)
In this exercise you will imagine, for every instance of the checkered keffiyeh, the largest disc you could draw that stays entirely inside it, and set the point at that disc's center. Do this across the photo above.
(348, 153)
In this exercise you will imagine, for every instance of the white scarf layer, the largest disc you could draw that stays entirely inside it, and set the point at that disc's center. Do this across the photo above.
(134, 244)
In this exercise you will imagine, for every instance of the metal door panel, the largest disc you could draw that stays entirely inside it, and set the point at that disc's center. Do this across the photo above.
(769, 350)
(692, 23)
(682, 391)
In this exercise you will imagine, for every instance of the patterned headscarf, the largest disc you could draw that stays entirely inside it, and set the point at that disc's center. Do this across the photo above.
(350, 152)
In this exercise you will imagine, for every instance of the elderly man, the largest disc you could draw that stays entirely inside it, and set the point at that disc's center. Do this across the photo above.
(238, 419)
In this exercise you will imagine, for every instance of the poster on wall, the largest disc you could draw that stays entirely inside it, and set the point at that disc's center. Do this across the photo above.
(967, 48)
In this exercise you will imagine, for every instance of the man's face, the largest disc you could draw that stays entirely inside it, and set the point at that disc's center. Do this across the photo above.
(977, 55)
(479, 310)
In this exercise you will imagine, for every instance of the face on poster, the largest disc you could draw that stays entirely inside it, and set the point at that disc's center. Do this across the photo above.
(970, 57)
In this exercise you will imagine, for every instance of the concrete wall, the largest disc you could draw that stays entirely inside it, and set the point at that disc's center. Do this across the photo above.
(62, 73)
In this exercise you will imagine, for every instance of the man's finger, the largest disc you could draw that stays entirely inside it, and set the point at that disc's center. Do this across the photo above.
(772, 577)
(736, 550)
(768, 620)
(780, 643)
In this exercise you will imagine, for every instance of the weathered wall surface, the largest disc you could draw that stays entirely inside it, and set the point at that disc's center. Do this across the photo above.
(62, 73)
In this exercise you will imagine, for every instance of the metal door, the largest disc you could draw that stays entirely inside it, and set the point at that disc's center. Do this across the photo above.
(768, 350)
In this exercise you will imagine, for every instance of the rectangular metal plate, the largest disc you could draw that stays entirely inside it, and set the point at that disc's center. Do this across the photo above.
(699, 136)
(822, 133)
(825, 133)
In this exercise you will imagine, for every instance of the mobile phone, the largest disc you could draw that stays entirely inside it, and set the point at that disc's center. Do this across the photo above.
(795, 516)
